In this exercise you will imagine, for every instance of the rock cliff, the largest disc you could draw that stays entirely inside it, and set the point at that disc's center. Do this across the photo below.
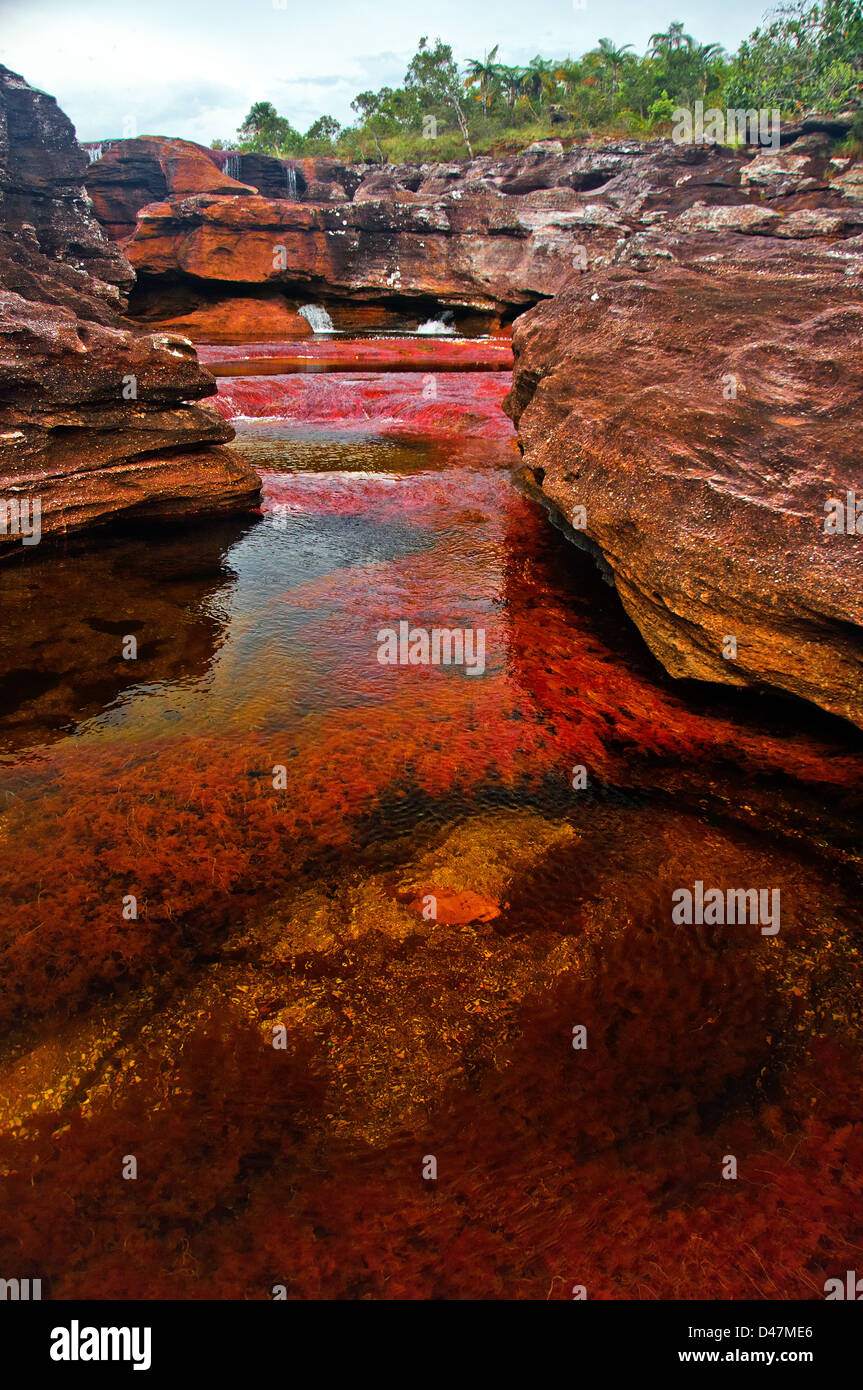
(95, 419)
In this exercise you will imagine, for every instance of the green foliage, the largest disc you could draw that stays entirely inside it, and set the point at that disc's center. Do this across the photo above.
(853, 146)
(807, 55)
(662, 109)
(264, 131)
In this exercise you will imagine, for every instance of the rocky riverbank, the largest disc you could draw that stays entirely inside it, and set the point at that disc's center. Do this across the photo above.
(96, 419)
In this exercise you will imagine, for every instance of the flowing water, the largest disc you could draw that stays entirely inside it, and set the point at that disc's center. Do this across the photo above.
(434, 328)
(318, 939)
(315, 315)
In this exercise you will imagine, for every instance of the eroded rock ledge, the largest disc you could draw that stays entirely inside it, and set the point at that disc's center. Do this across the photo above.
(701, 399)
(95, 420)
(487, 237)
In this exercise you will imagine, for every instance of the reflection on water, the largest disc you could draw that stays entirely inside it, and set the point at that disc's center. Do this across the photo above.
(234, 840)
(65, 616)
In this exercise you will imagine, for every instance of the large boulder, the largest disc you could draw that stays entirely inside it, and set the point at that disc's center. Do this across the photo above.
(41, 176)
(690, 412)
(96, 421)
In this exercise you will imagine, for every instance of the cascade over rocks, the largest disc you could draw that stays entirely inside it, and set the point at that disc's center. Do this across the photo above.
(95, 420)
(492, 235)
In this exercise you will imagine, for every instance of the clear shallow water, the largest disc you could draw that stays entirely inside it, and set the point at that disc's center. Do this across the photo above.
(301, 906)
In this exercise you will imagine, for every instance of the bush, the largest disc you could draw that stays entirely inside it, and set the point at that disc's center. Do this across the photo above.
(662, 109)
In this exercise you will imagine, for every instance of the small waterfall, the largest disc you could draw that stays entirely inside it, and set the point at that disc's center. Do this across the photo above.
(317, 318)
(291, 182)
(232, 167)
(94, 152)
(442, 325)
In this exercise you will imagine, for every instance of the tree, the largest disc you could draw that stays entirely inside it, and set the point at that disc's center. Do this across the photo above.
(707, 59)
(567, 74)
(509, 80)
(264, 131)
(537, 81)
(672, 41)
(370, 107)
(432, 77)
(662, 109)
(483, 74)
(809, 55)
(325, 128)
(612, 59)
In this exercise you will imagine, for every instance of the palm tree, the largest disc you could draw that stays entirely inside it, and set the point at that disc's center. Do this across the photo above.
(613, 59)
(567, 75)
(537, 80)
(510, 82)
(706, 56)
(484, 74)
(672, 41)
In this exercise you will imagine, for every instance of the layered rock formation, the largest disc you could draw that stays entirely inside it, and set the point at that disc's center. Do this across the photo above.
(492, 235)
(485, 236)
(126, 175)
(691, 411)
(95, 420)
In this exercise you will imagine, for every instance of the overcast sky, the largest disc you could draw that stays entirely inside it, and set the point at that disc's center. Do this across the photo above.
(193, 67)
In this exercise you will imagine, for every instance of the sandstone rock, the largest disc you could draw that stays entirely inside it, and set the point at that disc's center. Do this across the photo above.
(239, 318)
(817, 144)
(129, 174)
(95, 420)
(475, 249)
(808, 222)
(740, 218)
(699, 413)
(317, 192)
(321, 169)
(850, 183)
(71, 436)
(483, 234)
(783, 172)
(41, 175)
(270, 176)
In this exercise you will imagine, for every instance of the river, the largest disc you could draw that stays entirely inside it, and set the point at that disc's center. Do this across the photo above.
(285, 923)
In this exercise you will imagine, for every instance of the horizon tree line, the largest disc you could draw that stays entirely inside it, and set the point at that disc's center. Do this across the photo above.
(807, 54)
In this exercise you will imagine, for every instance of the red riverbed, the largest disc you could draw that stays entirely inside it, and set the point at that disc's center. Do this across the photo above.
(295, 901)
(386, 403)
